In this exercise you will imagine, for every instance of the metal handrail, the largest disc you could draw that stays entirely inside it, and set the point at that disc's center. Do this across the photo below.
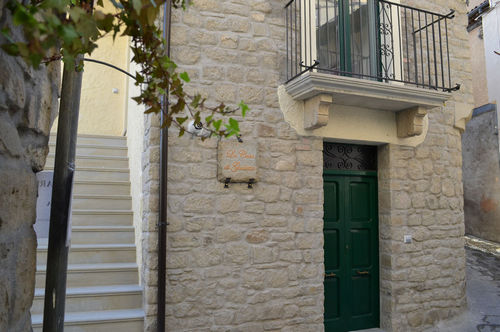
(406, 45)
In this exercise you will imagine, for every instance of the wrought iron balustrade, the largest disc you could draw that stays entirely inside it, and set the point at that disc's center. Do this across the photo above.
(376, 40)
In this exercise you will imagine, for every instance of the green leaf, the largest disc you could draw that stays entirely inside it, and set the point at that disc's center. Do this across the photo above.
(35, 59)
(196, 101)
(137, 4)
(244, 108)
(234, 124)
(217, 124)
(76, 12)
(232, 127)
(11, 49)
(181, 120)
(185, 77)
(69, 34)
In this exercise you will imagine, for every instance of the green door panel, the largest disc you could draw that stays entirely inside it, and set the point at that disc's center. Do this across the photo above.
(351, 251)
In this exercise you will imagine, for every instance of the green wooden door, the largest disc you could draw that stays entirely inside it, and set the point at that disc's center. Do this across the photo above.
(351, 251)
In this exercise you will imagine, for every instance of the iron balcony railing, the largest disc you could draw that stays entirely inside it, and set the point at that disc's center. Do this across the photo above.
(370, 39)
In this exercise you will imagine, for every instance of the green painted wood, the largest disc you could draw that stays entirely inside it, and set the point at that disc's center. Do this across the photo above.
(351, 251)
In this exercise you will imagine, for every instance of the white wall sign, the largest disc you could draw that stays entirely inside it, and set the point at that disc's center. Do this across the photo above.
(43, 203)
(237, 161)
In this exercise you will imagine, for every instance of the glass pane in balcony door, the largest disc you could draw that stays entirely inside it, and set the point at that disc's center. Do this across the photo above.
(361, 37)
(327, 34)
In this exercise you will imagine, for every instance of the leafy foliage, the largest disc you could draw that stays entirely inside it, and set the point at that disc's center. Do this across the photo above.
(64, 29)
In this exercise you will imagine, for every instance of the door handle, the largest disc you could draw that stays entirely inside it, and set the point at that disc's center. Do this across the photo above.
(363, 273)
(330, 275)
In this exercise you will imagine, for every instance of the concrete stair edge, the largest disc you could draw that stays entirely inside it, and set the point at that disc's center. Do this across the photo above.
(94, 317)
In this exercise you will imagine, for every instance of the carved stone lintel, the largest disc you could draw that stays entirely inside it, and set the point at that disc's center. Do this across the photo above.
(316, 111)
(410, 122)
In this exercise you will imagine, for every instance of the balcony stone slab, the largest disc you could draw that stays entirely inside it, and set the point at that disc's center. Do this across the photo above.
(356, 110)
(364, 93)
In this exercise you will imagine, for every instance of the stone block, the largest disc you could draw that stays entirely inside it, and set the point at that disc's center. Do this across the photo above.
(257, 236)
(410, 122)
(316, 111)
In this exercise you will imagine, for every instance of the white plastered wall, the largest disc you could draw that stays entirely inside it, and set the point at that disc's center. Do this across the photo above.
(135, 142)
(491, 30)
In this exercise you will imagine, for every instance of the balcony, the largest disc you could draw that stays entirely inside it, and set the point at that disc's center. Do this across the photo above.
(369, 54)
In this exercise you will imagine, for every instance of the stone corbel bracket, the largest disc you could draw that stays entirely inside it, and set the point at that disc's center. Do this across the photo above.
(410, 122)
(316, 111)
(463, 113)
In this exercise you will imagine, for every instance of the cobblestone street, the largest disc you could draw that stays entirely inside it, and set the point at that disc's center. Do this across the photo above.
(483, 296)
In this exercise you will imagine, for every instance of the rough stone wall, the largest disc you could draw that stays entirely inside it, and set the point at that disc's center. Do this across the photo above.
(28, 104)
(481, 170)
(248, 259)
(421, 194)
(252, 259)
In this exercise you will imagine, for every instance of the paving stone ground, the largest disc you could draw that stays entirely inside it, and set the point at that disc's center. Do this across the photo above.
(483, 296)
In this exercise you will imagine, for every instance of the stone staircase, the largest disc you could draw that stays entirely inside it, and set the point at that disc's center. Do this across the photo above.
(103, 292)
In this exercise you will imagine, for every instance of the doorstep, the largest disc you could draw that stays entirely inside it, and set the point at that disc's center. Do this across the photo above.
(482, 245)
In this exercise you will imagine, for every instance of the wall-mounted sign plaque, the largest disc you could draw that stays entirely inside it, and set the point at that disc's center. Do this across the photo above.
(44, 180)
(237, 161)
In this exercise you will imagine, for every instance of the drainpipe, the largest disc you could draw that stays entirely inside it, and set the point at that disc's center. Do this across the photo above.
(162, 221)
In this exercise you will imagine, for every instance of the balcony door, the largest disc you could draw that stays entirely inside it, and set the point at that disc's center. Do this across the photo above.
(346, 36)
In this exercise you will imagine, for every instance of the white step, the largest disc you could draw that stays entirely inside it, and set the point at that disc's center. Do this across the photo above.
(102, 202)
(93, 253)
(130, 320)
(100, 174)
(101, 187)
(94, 298)
(85, 275)
(102, 234)
(101, 217)
(96, 139)
(95, 150)
(94, 161)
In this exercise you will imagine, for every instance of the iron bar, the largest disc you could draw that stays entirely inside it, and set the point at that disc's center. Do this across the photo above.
(421, 49)
(392, 41)
(406, 42)
(435, 54)
(365, 76)
(448, 53)
(417, 9)
(110, 65)
(400, 45)
(386, 74)
(310, 34)
(295, 18)
(414, 49)
(428, 53)
(442, 17)
(318, 24)
(441, 52)
(300, 30)
(286, 43)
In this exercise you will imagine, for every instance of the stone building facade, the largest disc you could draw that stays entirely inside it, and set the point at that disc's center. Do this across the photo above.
(245, 259)
(480, 142)
(28, 106)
